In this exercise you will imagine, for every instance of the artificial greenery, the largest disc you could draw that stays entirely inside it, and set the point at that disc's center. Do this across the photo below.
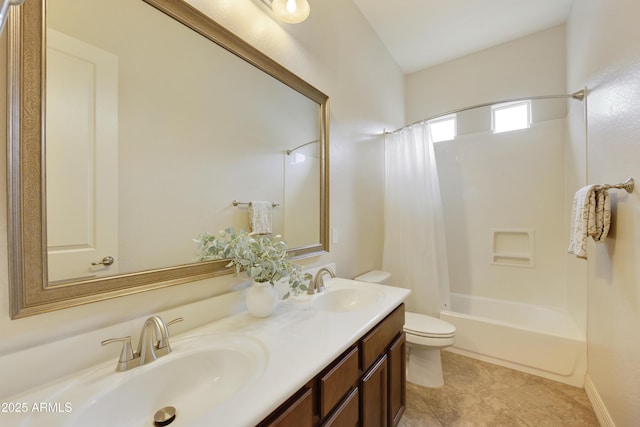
(262, 258)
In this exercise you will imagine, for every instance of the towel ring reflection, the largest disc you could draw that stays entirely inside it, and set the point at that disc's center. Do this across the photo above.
(237, 203)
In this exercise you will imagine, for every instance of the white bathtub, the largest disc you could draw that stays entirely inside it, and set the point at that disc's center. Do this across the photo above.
(530, 338)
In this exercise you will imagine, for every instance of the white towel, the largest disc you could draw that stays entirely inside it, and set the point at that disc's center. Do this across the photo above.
(260, 217)
(590, 217)
(583, 211)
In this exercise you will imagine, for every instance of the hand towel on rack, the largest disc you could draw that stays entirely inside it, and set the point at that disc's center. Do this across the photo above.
(590, 217)
(260, 217)
(602, 215)
(583, 222)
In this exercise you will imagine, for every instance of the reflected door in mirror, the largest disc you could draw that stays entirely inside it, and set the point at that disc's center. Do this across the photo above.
(81, 158)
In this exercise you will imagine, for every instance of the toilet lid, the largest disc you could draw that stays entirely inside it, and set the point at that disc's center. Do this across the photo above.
(427, 326)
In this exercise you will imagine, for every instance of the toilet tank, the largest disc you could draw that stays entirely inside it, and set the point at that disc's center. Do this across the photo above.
(375, 276)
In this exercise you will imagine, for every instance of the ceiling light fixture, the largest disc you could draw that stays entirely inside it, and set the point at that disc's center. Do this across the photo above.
(289, 11)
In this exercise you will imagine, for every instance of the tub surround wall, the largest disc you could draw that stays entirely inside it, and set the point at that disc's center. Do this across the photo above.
(603, 48)
(366, 91)
(493, 182)
(532, 65)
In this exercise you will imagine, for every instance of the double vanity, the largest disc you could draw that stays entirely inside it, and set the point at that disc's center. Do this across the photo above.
(334, 358)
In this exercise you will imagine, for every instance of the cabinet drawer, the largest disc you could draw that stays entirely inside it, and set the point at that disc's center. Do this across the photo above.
(374, 344)
(347, 414)
(336, 382)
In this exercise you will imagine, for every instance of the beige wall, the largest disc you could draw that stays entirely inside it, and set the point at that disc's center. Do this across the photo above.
(603, 48)
(532, 65)
(336, 52)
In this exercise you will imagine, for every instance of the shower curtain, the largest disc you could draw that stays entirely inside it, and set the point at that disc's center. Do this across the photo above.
(414, 242)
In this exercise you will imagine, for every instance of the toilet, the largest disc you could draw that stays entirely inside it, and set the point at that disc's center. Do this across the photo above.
(426, 335)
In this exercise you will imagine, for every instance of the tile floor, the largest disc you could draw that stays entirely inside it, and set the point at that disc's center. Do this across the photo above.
(478, 394)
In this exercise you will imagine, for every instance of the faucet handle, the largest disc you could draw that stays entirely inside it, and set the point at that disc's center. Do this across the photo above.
(163, 347)
(126, 354)
(174, 321)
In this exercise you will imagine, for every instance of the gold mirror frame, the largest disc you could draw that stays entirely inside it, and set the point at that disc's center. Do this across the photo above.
(30, 292)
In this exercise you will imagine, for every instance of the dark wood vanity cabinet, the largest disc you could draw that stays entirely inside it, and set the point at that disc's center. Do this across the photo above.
(383, 363)
(374, 385)
(397, 361)
(365, 386)
(297, 411)
(384, 387)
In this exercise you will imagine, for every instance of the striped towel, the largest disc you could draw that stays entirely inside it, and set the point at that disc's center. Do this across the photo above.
(603, 215)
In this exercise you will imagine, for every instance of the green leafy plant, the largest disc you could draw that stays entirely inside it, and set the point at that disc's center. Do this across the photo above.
(262, 258)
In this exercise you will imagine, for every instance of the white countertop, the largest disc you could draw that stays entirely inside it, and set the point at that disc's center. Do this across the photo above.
(299, 341)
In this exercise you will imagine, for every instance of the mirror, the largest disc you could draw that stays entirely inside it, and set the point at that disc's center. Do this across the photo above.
(170, 140)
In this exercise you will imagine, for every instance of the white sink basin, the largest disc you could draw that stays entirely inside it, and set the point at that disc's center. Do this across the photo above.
(200, 373)
(340, 298)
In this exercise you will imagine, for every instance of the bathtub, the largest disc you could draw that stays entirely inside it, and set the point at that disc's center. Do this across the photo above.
(530, 338)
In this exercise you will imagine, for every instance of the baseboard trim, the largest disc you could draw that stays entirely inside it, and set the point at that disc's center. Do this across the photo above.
(599, 408)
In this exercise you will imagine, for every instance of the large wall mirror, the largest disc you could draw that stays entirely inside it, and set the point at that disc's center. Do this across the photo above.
(134, 126)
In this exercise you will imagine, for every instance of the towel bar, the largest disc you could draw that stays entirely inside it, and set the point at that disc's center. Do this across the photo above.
(237, 203)
(628, 185)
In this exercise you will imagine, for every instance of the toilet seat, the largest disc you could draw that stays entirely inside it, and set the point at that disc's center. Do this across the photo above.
(425, 326)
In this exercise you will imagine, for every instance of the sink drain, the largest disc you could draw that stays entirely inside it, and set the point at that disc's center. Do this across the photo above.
(164, 416)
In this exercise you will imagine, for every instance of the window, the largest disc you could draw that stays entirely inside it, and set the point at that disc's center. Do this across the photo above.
(511, 116)
(443, 129)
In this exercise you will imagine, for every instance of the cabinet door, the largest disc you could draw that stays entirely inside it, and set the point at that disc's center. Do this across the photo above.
(296, 412)
(373, 402)
(397, 379)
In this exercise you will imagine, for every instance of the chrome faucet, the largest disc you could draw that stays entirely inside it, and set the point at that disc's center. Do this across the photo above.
(317, 284)
(154, 336)
(153, 343)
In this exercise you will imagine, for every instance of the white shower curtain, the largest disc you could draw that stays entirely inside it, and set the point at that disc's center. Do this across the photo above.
(414, 242)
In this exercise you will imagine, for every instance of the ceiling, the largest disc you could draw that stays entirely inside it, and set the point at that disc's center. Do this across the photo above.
(423, 33)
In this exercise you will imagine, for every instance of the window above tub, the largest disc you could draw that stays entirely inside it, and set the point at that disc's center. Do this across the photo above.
(443, 128)
(511, 116)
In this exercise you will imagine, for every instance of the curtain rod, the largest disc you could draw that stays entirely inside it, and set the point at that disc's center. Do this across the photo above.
(579, 95)
(300, 146)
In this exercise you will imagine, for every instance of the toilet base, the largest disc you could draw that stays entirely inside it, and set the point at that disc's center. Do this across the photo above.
(424, 366)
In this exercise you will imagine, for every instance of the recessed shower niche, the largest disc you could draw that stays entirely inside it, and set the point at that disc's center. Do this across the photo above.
(514, 248)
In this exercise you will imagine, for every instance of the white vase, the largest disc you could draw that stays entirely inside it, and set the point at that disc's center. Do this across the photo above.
(262, 299)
